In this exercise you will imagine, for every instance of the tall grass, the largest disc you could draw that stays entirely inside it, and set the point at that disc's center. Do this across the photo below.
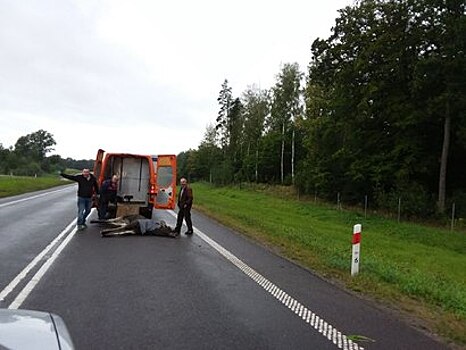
(418, 268)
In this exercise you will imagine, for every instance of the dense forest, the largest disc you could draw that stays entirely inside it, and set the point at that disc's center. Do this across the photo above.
(29, 157)
(379, 114)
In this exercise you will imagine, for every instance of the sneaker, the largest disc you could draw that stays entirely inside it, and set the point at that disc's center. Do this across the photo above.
(188, 233)
(80, 227)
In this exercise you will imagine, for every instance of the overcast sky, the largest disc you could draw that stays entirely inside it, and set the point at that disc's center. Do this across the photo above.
(142, 76)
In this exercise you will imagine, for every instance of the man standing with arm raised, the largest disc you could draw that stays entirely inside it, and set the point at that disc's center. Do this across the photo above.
(87, 183)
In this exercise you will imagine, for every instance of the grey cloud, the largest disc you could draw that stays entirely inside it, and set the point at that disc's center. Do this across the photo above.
(53, 63)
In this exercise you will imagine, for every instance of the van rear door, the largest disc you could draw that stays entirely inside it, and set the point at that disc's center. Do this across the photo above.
(98, 163)
(166, 182)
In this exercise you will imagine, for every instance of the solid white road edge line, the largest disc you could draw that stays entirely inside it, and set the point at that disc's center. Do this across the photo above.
(39, 274)
(32, 197)
(315, 321)
(12, 285)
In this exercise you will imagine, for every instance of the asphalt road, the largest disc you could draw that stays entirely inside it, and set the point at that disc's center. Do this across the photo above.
(213, 290)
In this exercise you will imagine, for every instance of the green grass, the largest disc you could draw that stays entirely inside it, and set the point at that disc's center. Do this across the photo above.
(417, 269)
(13, 185)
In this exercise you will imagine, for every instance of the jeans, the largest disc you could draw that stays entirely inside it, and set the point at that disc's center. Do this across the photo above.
(84, 208)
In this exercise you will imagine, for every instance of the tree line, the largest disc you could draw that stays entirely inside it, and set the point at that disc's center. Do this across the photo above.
(29, 157)
(380, 112)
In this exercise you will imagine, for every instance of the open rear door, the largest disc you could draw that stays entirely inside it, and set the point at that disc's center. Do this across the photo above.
(166, 182)
(98, 163)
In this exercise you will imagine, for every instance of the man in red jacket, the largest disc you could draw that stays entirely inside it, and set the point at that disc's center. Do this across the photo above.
(185, 202)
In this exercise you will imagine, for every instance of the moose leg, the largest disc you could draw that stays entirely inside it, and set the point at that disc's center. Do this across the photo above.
(128, 229)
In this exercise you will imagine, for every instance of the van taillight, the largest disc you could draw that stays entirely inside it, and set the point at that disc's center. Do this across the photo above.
(152, 189)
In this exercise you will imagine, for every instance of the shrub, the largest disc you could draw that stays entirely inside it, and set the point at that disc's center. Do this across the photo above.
(415, 200)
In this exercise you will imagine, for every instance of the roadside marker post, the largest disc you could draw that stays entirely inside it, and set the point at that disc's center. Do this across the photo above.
(356, 243)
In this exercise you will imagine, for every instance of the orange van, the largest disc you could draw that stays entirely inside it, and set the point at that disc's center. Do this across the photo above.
(146, 181)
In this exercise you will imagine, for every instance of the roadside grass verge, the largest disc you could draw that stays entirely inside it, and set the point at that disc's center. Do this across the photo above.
(419, 270)
(13, 185)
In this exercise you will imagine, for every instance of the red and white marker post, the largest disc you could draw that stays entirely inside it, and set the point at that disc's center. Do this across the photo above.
(356, 247)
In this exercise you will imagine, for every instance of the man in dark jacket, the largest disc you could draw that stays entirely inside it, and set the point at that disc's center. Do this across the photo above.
(87, 186)
(185, 202)
(108, 193)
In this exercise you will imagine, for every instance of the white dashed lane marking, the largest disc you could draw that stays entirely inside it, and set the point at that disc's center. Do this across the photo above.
(309, 317)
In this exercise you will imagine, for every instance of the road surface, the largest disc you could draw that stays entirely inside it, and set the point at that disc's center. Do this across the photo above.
(213, 290)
